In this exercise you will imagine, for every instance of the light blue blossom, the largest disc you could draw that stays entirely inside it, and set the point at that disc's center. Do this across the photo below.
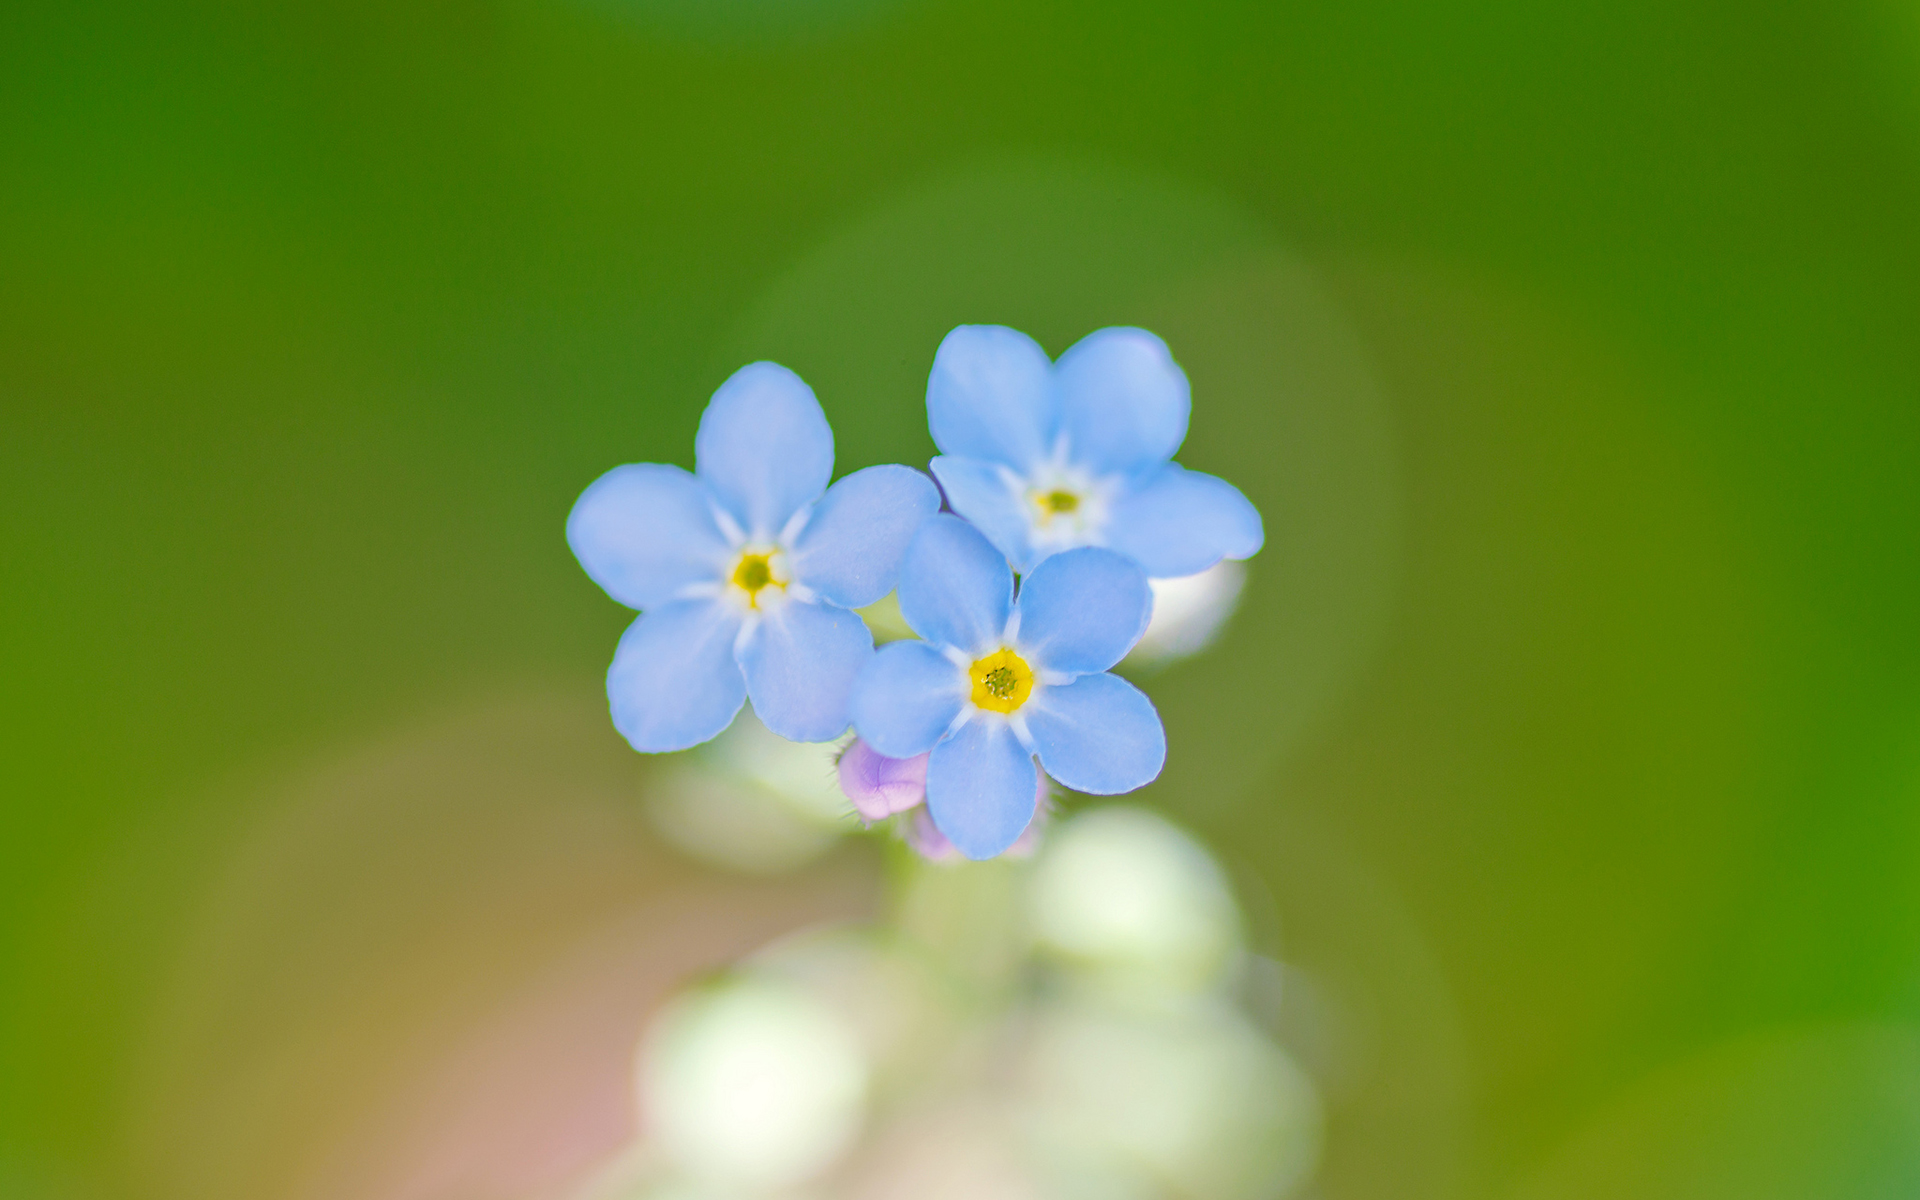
(1044, 456)
(997, 682)
(744, 571)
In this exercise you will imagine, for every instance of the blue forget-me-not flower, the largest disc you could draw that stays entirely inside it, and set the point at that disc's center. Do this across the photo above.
(744, 571)
(998, 681)
(1047, 456)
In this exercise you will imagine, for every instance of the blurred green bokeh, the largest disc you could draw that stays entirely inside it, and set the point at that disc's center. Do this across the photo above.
(1569, 734)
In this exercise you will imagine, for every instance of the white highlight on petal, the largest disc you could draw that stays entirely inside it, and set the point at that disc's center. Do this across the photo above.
(749, 629)
(1018, 723)
(968, 712)
(729, 528)
(797, 522)
(752, 1085)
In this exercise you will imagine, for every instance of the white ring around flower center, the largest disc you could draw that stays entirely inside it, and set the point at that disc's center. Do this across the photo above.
(1066, 506)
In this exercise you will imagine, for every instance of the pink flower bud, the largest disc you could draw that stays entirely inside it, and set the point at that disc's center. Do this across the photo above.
(880, 786)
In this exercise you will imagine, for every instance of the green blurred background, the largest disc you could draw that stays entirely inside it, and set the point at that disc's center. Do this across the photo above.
(1569, 735)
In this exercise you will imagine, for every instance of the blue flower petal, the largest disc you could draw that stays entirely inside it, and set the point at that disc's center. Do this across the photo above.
(1181, 522)
(644, 531)
(955, 588)
(990, 396)
(673, 682)
(1123, 400)
(980, 788)
(1098, 734)
(800, 664)
(978, 492)
(764, 447)
(906, 697)
(1082, 610)
(851, 548)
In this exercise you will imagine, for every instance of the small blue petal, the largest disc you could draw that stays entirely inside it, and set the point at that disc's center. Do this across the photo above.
(644, 531)
(1123, 400)
(980, 788)
(906, 697)
(1098, 734)
(800, 662)
(990, 396)
(764, 447)
(1082, 610)
(977, 491)
(955, 588)
(851, 548)
(673, 683)
(1181, 522)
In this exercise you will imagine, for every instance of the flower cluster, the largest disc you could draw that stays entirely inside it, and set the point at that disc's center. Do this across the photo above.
(1063, 504)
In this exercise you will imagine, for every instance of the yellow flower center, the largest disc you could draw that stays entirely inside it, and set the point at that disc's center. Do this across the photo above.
(1002, 681)
(752, 574)
(1059, 502)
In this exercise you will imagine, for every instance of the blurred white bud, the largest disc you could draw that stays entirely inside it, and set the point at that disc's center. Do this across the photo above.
(1192, 1102)
(733, 823)
(800, 773)
(1121, 891)
(751, 1086)
(1188, 613)
(752, 800)
(962, 1149)
(885, 996)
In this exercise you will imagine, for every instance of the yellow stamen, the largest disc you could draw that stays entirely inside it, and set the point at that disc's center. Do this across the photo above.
(1056, 502)
(1002, 681)
(752, 573)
